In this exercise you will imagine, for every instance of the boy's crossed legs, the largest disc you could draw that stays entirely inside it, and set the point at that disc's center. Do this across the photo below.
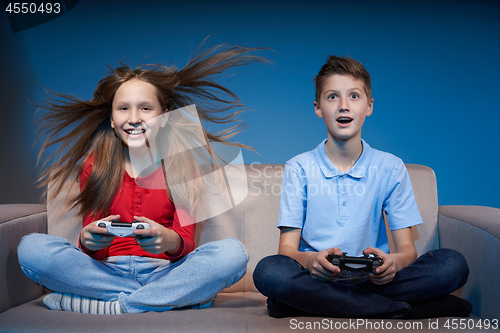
(293, 292)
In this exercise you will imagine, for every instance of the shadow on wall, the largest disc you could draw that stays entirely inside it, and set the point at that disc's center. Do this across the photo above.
(18, 171)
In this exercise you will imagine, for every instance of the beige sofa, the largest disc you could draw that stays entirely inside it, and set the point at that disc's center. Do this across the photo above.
(473, 230)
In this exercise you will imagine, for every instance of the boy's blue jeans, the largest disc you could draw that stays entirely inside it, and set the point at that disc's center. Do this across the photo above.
(140, 284)
(434, 274)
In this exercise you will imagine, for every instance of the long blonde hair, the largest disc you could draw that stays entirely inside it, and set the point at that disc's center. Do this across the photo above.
(89, 133)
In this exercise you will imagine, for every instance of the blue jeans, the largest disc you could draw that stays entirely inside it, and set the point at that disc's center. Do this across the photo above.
(434, 274)
(140, 284)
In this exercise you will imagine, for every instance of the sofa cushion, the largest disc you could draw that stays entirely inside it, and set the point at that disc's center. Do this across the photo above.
(17, 220)
(232, 312)
(253, 221)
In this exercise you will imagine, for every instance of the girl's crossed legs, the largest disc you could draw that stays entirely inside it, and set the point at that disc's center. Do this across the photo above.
(140, 284)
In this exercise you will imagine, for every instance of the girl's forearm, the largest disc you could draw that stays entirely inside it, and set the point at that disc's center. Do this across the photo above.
(172, 242)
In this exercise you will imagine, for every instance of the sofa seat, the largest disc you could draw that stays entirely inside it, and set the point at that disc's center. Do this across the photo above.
(232, 312)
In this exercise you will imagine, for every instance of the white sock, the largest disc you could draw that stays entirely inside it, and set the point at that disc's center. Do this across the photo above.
(76, 303)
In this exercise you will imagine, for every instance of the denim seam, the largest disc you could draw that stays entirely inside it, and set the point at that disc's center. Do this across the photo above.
(243, 247)
(399, 315)
(121, 301)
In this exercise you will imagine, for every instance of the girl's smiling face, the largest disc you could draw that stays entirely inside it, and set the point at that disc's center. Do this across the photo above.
(135, 113)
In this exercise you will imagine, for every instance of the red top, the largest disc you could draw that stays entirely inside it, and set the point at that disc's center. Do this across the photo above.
(145, 196)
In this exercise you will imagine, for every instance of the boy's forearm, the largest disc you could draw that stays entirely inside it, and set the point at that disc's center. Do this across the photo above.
(405, 247)
(405, 256)
(290, 251)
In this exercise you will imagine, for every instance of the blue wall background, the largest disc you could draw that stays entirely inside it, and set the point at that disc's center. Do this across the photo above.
(434, 67)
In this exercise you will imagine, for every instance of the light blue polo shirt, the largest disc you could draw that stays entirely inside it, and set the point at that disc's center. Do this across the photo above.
(344, 209)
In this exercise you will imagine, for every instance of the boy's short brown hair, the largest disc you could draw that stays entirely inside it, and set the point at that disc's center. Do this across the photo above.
(342, 66)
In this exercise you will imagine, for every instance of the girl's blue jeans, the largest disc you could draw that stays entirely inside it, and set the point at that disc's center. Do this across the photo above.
(434, 274)
(140, 284)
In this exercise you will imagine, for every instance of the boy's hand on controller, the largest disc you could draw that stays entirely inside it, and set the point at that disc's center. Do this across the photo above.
(96, 238)
(320, 267)
(158, 239)
(386, 272)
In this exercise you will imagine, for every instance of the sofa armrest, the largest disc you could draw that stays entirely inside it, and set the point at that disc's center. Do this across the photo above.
(17, 220)
(474, 231)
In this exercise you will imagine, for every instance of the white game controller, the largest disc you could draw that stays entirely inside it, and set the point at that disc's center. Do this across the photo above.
(122, 229)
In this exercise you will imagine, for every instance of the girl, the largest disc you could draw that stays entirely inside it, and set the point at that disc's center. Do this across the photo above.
(140, 161)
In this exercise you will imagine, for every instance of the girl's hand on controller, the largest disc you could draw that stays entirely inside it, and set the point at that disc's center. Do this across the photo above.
(320, 267)
(96, 238)
(158, 239)
(386, 272)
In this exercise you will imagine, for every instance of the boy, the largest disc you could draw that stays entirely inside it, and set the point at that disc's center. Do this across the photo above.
(332, 202)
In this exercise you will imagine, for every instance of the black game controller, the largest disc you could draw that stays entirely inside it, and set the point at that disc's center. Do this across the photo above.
(367, 263)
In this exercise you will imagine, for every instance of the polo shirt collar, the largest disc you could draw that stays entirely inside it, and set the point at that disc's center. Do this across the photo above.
(357, 171)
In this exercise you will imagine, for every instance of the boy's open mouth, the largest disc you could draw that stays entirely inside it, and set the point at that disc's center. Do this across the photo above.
(344, 120)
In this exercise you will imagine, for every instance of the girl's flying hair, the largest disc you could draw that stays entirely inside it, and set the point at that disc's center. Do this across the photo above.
(82, 128)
